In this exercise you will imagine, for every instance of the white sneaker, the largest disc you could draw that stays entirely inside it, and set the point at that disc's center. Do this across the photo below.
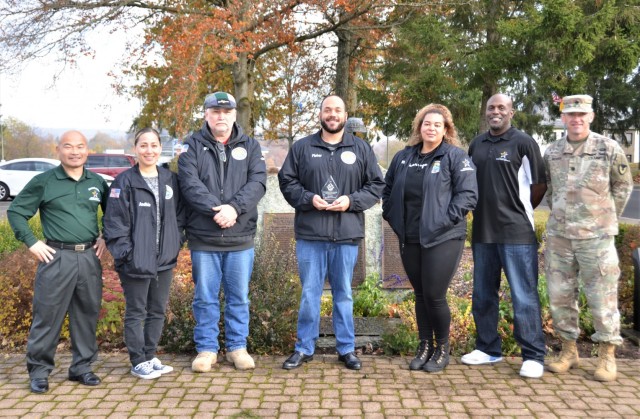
(145, 371)
(159, 366)
(531, 369)
(479, 358)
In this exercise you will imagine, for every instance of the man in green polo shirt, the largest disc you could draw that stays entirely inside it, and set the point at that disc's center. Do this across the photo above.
(69, 275)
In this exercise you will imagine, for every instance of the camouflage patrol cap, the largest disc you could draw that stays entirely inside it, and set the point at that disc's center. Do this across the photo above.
(577, 103)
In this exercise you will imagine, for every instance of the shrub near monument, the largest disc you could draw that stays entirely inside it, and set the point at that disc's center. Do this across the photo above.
(274, 294)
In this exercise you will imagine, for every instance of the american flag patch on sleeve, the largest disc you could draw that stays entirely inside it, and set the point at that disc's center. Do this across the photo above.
(115, 193)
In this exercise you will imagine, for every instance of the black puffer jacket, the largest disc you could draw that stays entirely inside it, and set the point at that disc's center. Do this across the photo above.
(449, 189)
(130, 222)
(306, 170)
(206, 182)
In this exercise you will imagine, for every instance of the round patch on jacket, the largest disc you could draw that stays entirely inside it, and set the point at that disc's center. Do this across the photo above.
(348, 157)
(239, 153)
(169, 193)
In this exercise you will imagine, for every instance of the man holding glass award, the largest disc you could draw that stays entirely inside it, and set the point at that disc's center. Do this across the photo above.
(330, 178)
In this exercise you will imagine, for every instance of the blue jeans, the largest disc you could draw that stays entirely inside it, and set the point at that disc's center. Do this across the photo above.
(520, 264)
(316, 261)
(233, 270)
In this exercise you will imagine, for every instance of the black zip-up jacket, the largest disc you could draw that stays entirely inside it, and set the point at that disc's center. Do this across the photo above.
(208, 180)
(449, 191)
(306, 170)
(130, 223)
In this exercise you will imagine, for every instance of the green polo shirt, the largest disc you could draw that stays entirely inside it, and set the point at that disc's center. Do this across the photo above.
(68, 208)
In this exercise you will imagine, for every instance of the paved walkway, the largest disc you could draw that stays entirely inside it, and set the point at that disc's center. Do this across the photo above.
(322, 388)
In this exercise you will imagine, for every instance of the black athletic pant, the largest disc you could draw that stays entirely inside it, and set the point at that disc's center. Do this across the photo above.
(145, 306)
(430, 271)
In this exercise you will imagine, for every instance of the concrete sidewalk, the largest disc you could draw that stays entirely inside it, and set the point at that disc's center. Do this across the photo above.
(322, 388)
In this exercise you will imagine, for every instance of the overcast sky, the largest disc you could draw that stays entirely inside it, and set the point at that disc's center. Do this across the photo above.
(82, 97)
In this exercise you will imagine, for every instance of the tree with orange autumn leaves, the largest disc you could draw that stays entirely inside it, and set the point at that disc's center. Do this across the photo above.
(205, 45)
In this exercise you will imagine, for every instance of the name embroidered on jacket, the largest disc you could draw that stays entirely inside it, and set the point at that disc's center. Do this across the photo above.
(144, 204)
(316, 155)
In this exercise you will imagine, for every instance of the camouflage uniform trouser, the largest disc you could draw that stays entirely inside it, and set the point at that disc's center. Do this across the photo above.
(595, 262)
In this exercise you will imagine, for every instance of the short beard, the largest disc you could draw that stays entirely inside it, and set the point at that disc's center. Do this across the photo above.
(339, 128)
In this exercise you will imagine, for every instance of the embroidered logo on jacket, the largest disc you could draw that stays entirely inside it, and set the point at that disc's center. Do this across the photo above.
(239, 153)
(466, 166)
(348, 157)
(95, 194)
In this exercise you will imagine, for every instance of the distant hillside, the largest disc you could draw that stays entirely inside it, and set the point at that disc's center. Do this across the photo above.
(88, 132)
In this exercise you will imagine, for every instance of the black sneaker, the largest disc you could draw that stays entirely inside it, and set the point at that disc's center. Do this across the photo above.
(439, 360)
(423, 353)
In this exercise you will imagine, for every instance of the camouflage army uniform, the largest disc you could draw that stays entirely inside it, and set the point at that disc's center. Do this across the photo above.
(587, 191)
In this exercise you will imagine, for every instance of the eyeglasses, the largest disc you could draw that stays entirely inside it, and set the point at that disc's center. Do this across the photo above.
(221, 153)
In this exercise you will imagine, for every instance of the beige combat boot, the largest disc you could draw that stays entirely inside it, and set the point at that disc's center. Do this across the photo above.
(204, 361)
(241, 359)
(606, 370)
(567, 359)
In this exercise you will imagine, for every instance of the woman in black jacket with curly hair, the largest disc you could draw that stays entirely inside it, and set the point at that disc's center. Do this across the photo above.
(430, 188)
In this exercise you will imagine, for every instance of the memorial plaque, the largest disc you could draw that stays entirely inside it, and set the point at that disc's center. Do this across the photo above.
(279, 228)
(393, 274)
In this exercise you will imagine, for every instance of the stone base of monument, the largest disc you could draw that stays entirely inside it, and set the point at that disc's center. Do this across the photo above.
(368, 330)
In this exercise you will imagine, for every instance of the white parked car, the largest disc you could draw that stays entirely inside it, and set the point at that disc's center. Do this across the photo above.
(15, 174)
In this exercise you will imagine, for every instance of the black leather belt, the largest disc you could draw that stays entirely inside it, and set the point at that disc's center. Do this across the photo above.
(78, 247)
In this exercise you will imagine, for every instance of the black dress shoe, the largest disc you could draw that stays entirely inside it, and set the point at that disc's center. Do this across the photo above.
(39, 385)
(350, 360)
(295, 360)
(88, 379)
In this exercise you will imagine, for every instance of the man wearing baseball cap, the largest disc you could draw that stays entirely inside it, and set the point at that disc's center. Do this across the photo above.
(588, 185)
(222, 177)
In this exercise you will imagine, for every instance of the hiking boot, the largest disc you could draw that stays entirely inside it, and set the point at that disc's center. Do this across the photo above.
(423, 353)
(204, 361)
(439, 360)
(567, 359)
(241, 359)
(607, 369)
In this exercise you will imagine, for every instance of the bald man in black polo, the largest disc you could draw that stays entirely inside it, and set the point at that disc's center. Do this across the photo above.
(69, 276)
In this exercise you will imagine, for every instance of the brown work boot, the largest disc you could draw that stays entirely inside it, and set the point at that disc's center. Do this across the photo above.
(606, 370)
(567, 359)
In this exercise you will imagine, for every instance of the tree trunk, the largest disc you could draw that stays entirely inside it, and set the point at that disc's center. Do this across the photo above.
(343, 61)
(490, 86)
(243, 91)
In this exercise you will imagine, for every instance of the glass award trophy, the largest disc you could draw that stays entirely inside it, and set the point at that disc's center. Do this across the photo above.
(330, 191)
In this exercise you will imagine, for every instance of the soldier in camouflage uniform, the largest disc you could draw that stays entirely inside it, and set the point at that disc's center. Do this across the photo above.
(588, 185)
